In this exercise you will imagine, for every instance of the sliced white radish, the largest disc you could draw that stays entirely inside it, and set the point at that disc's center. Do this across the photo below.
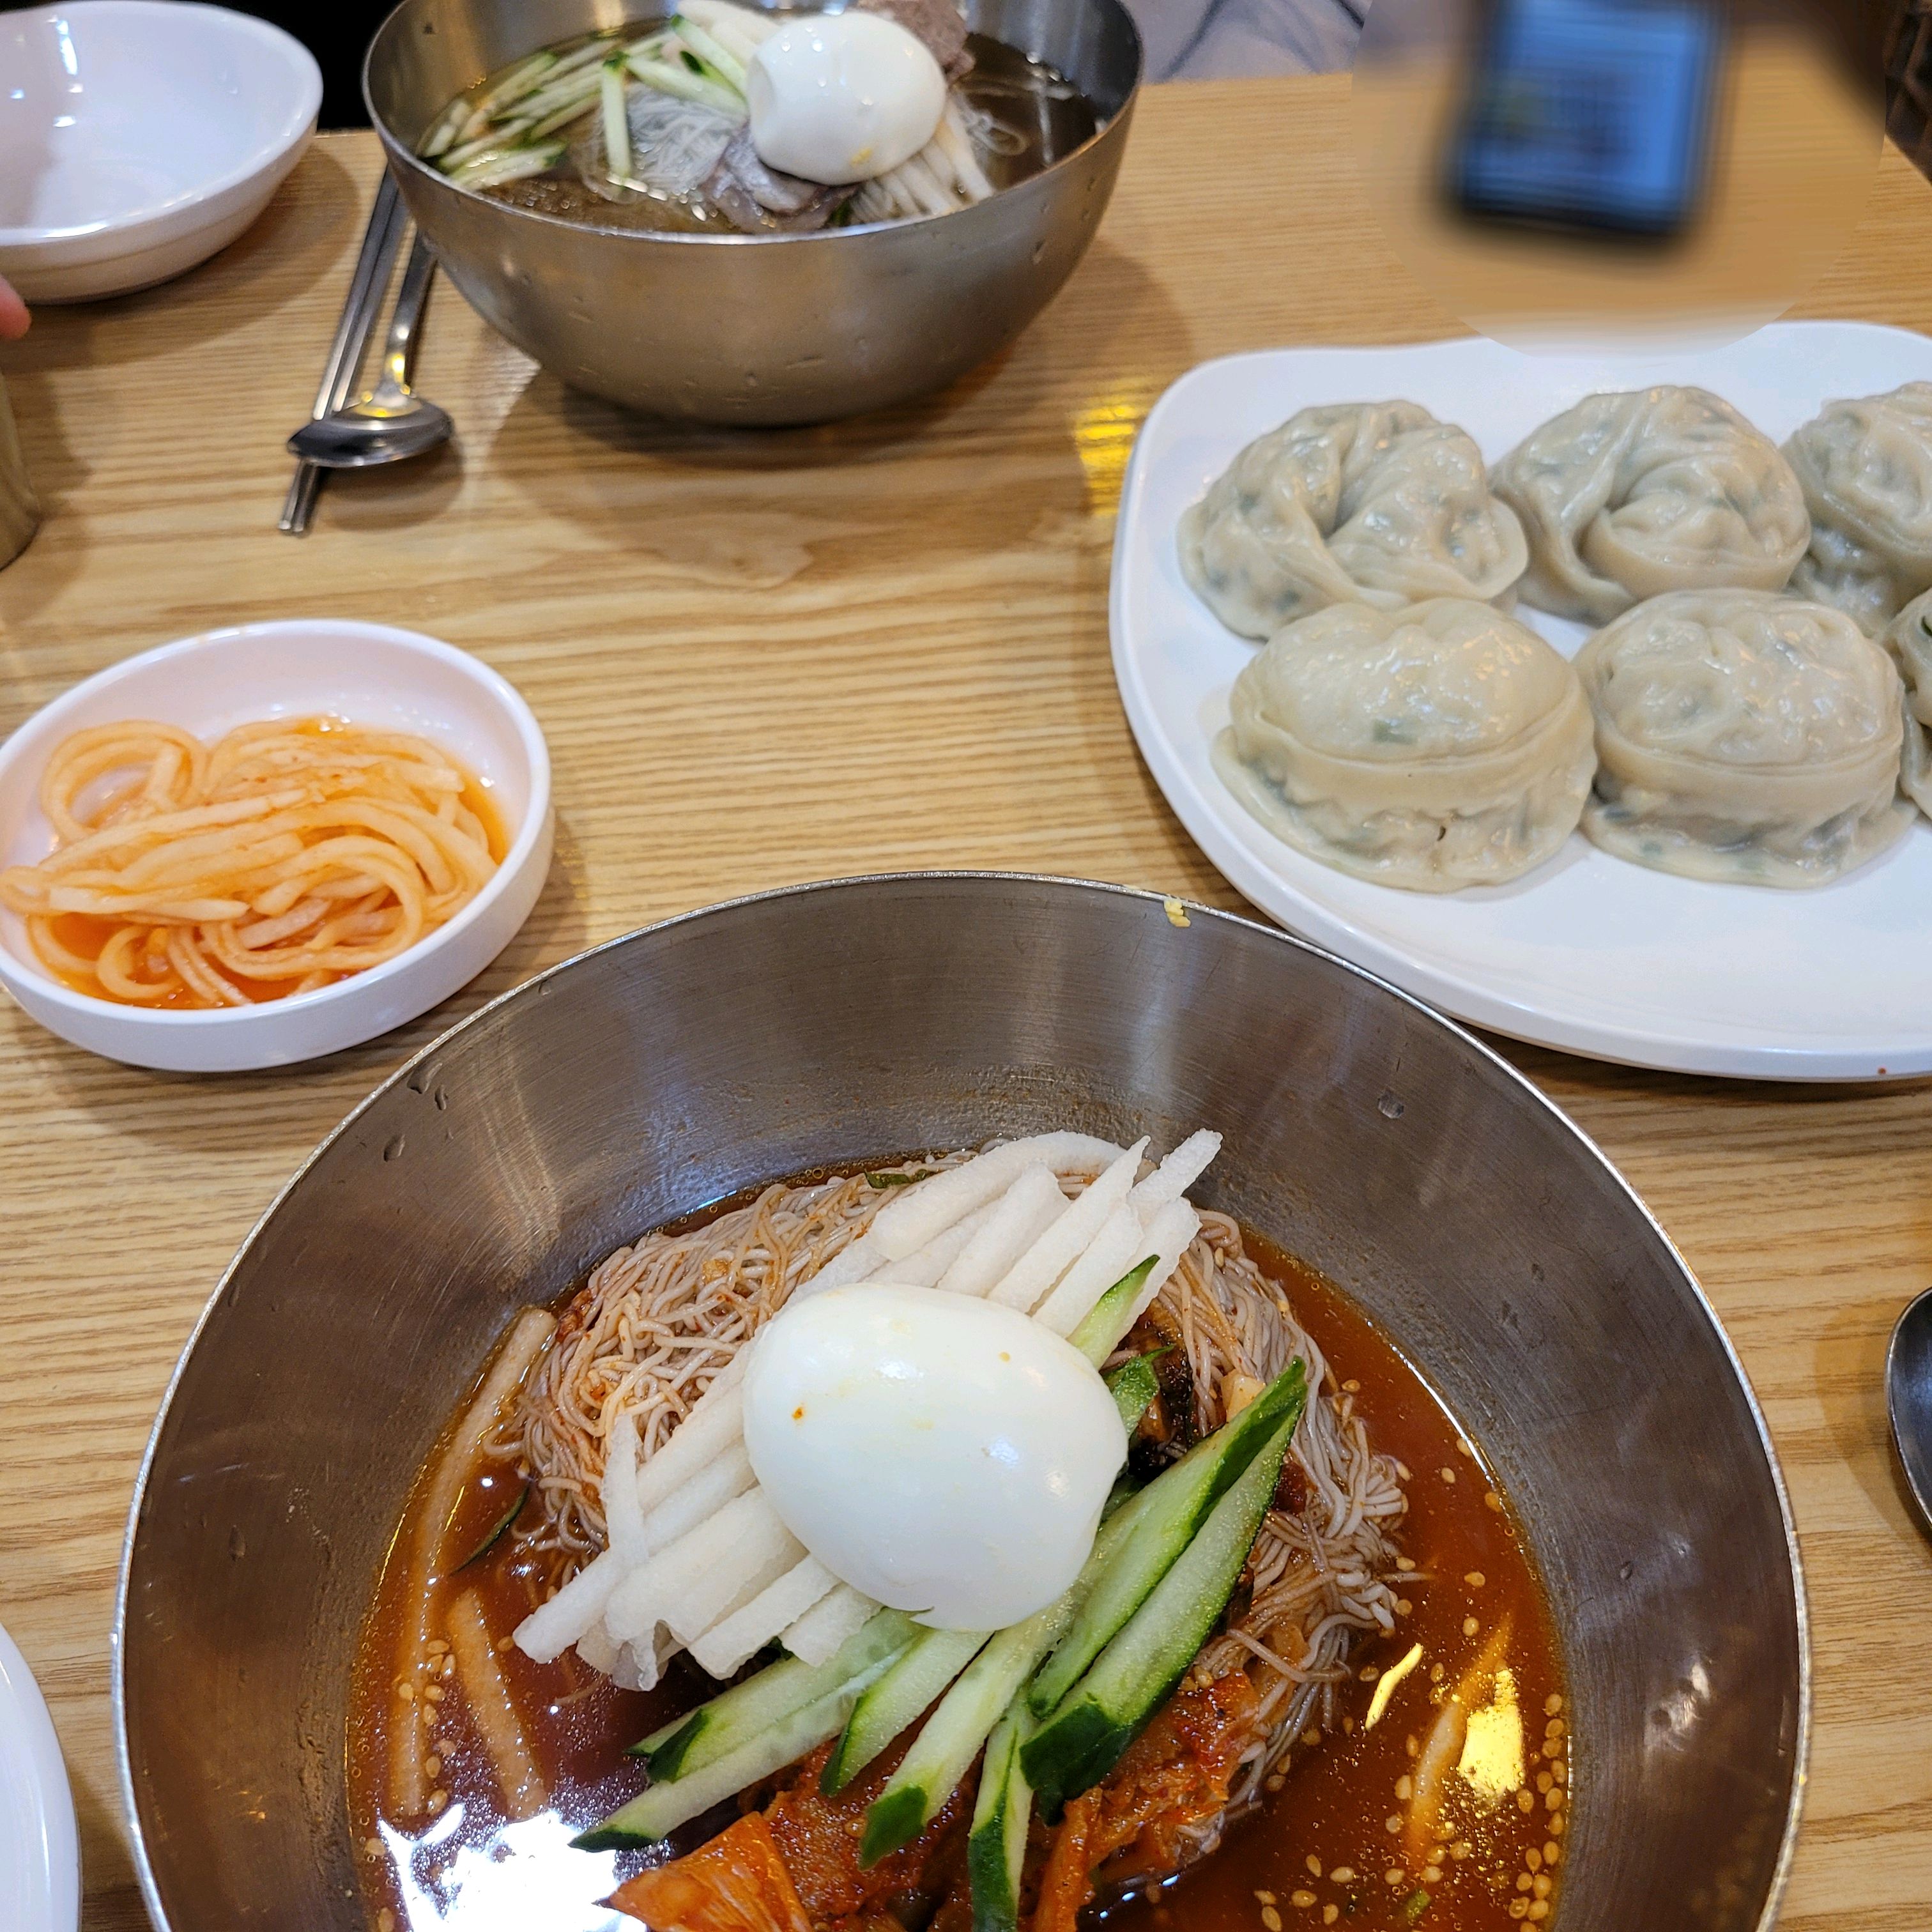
(726, 1645)
(1016, 1221)
(677, 1574)
(1176, 1174)
(854, 1262)
(1121, 1243)
(552, 1627)
(599, 1649)
(760, 1551)
(1067, 1234)
(928, 1207)
(924, 1268)
(623, 1520)
(1169, 1234)
(716, 1423)
(829, 1621)
(708, 1492)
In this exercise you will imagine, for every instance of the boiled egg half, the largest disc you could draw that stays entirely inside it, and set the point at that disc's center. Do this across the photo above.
(842, 97)
(946, 1456)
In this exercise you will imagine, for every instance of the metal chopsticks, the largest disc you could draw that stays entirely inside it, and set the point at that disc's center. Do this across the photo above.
(366, 290)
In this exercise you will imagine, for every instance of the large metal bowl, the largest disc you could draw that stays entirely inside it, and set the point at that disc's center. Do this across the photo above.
(1466, 1214)
(742, 328)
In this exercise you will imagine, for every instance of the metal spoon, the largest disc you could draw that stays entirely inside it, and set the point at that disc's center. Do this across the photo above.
(391, 422)
(1908, 1399)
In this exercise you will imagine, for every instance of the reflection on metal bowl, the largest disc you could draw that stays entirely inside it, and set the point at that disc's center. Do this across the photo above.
(764, 329)
(1464, 1214)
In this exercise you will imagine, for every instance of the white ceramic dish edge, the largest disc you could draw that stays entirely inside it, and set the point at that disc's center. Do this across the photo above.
(281, 1032)
(1306, 897)
(40, 1854)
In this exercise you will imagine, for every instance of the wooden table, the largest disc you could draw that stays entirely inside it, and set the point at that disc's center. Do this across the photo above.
(763, 658)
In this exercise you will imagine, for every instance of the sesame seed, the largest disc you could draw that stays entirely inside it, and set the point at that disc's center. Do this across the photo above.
(1265, 1898)
(1343, 1875)
(1393, 1822)
(1435, 1673)
(1402, 1470)
(1347, 1727)
(1369, 1673)
(437, 1800)
(1353, 1387)
(434, 1694)
(1404, 1788)
(1403, 1606)
(1555, 1728)
(1470, 1626)
(1533, 1858)
(1271, 1919)
(1275, 1780)
(1523, 1881)
(1553, 1799)
(1405, 1563)
(1315, 1864)
(1330, 1913)
(1311, 1735)
(433, 1765)
(1475, 1580)
(1554, 1824)
(1526, 1800)
(1409, 1744)
(1543, 1781)
(372, 1848)
(1448, 1475)
(1394, 1875)
(1550, 1853)
(436, 1646)
(1432, 1874)
(505, 1644)
(1495, 1502)
(1462, 1444)
(385, 1921)
(1539, 1908)
(1303, 1900)
(449, 1667)
(1518, 1908)
(407, 1692)
(1460, 1850)
(1551, 1706)
(1540, 1886)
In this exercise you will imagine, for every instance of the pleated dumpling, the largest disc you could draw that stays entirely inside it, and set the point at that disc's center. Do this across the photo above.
(1743, 737)
(1908, 638)
(1866, 467)
(1374, 503)
(1435, 747)
(1628, 495)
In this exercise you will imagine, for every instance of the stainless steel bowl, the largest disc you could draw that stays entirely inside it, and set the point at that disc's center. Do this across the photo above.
(752, 328)
(1466, 1214)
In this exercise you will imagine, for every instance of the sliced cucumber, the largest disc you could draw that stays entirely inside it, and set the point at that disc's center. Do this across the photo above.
(996, 1848)
(944, 1751)
(734, 1717)
(909, 1683)
(658, 1811)
(1136, 1673)
(1171, 1509)
(1098, 1330)
(1134, 1386)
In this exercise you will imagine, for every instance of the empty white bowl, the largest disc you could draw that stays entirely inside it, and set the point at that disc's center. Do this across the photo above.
(299, 668)
(138, 136)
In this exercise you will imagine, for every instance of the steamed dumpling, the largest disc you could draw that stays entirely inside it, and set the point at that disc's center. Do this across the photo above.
(1435, 747)
(1908, 638)
(1371, 502)
(1743, 737)
(1866, 468)
(1630, 495)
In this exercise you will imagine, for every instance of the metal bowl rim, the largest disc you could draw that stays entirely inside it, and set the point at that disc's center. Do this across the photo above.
(1787, 1849)
(401, 155)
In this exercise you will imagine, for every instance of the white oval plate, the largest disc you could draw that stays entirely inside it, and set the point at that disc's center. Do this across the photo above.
(1587, 953)
(40, 1862)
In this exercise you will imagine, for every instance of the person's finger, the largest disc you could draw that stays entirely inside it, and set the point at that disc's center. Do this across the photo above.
(13, 316)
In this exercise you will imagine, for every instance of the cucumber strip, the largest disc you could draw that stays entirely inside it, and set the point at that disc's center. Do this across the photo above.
(909, 1683)
(1134, 1385)
(944, 1751)
(996, 1847)
(1103, 1320)
(734, 1717)
(1172, 1508)
(657, 1811)
(1137, 1673)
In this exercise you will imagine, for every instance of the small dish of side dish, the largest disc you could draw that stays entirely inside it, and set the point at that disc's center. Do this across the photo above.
(1580, 695)
(905, 1442)
(253, 848)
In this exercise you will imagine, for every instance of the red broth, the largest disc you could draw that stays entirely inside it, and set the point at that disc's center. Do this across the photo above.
(1343, 1838)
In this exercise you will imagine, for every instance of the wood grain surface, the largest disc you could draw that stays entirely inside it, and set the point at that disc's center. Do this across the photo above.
(762, 658)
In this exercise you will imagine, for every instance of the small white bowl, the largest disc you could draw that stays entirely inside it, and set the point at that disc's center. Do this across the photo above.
(138, 136)
(295, 669)
(39, 1856)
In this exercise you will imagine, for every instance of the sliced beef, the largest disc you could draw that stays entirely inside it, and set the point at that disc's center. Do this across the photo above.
(759, 199)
